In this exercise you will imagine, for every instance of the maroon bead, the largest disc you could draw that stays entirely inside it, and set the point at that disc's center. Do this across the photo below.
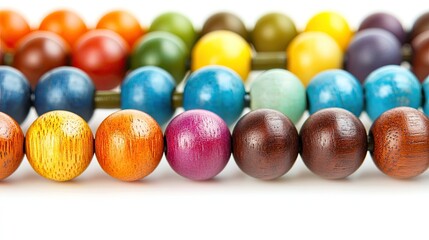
(420, 57)
(386, 22)
(420, 25)
(225, 21)
(334, 143)
(38, 53)
(265, 144)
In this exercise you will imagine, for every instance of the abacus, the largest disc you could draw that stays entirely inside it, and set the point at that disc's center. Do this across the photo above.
(197, 143)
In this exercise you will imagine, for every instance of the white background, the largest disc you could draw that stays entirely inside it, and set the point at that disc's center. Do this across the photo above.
(165, 205)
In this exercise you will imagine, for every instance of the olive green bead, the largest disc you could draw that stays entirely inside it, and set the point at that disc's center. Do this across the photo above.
(225, 21)
(176, 24)
(163, 50)
(280, 90)
(273, 32)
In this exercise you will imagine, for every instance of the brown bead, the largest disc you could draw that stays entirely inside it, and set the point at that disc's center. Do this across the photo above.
(38, 53)
(2, 52)
(420, 57)
(265, 144)
(400, 139)
(225, 21)
(420, 25)
(334, 143)
(11, 146)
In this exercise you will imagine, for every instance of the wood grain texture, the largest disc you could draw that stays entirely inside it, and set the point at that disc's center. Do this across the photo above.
(129, 145)
(400, 139)
(59, 145)
(11, 146)
(265, 144)
(334, 143)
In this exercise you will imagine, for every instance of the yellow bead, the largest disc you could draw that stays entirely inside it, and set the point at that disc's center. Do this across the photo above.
(223, 48)
(334, 25)
(312, 52)
(59, 145)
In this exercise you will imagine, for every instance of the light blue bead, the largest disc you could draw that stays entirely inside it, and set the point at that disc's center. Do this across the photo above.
(65, 88)
(15, 93)
(149, 89)
(426, 96)
(335, 88)
(216, 89)
(389, 87)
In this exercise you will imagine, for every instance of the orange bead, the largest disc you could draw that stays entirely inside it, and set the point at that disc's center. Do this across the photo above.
(11, 146)
(65, 23)
(124, 24)
(129, 145)
(13, 27)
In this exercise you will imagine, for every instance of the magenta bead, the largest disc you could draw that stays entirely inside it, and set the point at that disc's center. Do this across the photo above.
(198, 144)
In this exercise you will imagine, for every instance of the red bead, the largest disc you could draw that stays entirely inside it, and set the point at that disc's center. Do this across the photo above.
(102, 54)
(334, 143)
(11, 145)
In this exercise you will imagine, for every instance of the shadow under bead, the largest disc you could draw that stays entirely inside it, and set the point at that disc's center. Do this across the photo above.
(400, 139)
(333, 143)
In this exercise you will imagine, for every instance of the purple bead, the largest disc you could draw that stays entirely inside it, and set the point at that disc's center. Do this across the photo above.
(198, 144)
(386, 22)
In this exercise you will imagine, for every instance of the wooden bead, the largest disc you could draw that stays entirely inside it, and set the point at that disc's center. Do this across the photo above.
(400, 139)
(225, 21)
(11, 146)
(334, 143)
(265, 144)
(129, 145)
(59, 145)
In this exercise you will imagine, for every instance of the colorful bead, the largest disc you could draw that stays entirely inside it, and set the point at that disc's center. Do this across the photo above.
(149, 89)
(129, 145)
(217, 89)
(389, 87)
(273, 32)
(163, 50)
(400, 142)
(102, 54)
(198, 144)
(2, 52)
(335, 88)
(65, 88)
(386, 22)
(312, 52)
(223, 48)
(265, 144)
(66, 24)
(59, 145)
(421, 24)
(177, 24)
(39, 52)
(11, 146)
(15, 94)
(425, 87)
(280, 90)
(333, 143)
(332, 24)
(420, 56)
(371, 49)
(225, 21)
(124, 24)
(13, 27)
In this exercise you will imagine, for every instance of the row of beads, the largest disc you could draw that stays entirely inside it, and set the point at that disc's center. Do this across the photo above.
(129, 144)
(103, 54)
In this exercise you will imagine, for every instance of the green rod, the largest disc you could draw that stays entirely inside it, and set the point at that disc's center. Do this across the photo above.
(107, 99)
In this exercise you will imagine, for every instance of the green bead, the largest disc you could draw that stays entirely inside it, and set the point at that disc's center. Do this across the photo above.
(280, 90)
(176, 24)
(273, 32)
(163, 50)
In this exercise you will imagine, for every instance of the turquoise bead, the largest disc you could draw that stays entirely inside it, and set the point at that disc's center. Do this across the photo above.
(149, 89)
(217, 89)
(390, 87)
(335, 88)
(280, 90)
(425, 86)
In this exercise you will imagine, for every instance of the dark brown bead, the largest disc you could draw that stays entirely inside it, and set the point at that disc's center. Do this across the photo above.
(265, 144)
(400, 139)
(420, 25)
(334, 143)
(38, 53)
(420, 57)
(225, 21)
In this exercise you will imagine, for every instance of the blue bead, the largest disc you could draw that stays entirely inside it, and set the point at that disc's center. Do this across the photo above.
(15, 93)
(65, 88)
(335, 88)
(425, 86)
(389, 87)
(149, 89)
(216, 89)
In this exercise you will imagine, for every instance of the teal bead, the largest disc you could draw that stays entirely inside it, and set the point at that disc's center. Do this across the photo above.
(425, 87)
(280, 90)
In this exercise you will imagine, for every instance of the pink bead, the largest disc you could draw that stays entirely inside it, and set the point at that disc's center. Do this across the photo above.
(198, 144)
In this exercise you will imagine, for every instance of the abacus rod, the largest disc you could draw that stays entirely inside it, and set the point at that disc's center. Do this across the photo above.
(107, 99)
(269, 60)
